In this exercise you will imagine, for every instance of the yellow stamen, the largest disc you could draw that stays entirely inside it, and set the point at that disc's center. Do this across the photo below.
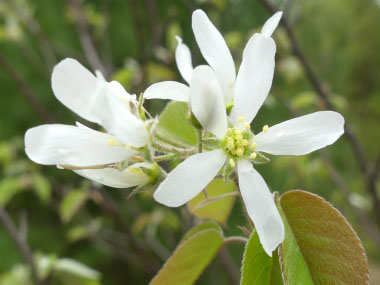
(247, 126)
(232, 162)
(237, 132)
(244, 142)
(265, 128)
(253, 146)
(241, 119)
(239, 137)
(111, 142)
(240, 151)
(253, 155)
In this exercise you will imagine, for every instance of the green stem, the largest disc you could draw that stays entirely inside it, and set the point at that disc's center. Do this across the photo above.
(235, 239)
(168, 141)
(172, 149)
(199, 132)
(165, 157)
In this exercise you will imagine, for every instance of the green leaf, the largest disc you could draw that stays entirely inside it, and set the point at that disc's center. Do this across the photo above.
(173, 124)
(202, 227)
(258, 267)
(71, 203)
(320, 247)
(218, 206)
(8, 188)
(191, 256)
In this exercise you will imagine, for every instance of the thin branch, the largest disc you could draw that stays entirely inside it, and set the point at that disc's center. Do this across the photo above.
(26, 91)
(235, 239)
(110, 207)
(317, 83)
(135, 14)
(32, 25)
(231, 269)
(365, 220)
(86, 41)
(9, 226)
(336, 177)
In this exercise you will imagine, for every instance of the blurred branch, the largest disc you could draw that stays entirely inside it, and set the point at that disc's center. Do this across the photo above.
(110, 207)
(26, 91)
(317, 83)
(20, 241)
(139, 37)
(365, 221)
(230, 266)
(30, 24)
(85, 38)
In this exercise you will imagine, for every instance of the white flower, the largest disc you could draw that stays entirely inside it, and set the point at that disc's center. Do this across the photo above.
(239, 146)
(79, 147)
(214, 49)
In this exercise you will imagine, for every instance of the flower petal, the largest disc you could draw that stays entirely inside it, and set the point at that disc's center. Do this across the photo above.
(183, 60)
(260, 207)
(189, 178)
(206, 101)
(93, 99)
(271, 24)
(171, 90)
(117, 119)
(75, 87)
(255, 76)
(73, 146)
(115, 178)
(215, 50)
(302, 135)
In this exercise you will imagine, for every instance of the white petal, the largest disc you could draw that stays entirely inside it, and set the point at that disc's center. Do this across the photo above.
(215, 50)
(206, 101)
(171, 90)
(124, 97)
(74, 146)
(115, 178)
(117, 119)
(271, 24)
(75, 87)
(93, 99)
(255, 76)
(260, 206)
(183, 60)
(189, 178)
(302, 135)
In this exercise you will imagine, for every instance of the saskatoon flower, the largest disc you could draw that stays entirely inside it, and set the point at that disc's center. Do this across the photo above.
(239, 147)
(209, 93)
(214, 49)
(102, 157)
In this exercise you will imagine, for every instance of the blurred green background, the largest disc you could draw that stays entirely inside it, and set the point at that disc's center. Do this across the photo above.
(126, 241)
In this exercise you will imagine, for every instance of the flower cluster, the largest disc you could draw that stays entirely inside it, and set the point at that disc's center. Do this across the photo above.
(224, 105)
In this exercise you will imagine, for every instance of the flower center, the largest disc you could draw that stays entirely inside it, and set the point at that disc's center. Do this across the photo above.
(238, 142)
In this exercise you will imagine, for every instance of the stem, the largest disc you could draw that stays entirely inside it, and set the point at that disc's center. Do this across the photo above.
(168, 141)
(85, 39)
(26, 91)
(231, 269)
(165, 157)
(171, 149)
(20, 241)
(235, 239)
(199, 132)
